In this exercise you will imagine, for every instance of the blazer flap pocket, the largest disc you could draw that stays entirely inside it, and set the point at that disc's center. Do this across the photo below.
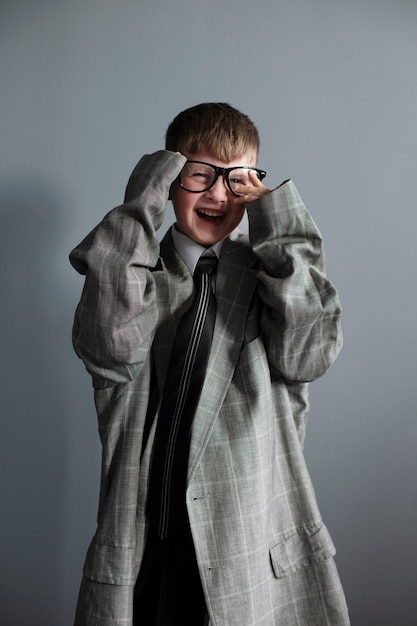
(301, 550)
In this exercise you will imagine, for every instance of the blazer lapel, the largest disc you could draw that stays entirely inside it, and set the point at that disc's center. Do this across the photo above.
(236, 282)
(235, 286)
(175, 288)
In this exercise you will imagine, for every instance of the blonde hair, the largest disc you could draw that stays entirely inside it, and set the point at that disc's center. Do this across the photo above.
(213, 127)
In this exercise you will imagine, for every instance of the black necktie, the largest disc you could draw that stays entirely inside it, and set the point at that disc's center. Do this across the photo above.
(186, 372)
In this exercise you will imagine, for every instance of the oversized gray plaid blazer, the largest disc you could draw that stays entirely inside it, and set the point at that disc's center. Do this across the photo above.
(263, 553)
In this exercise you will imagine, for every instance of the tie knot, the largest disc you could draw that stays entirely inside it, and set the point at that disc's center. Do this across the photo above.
(206, 264)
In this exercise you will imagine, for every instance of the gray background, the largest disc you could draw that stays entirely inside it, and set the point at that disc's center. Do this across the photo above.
(87, 87)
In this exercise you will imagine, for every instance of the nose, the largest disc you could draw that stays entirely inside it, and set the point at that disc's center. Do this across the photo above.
(219, 190)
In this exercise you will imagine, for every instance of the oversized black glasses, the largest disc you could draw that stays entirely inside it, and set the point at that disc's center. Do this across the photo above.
(198, 176)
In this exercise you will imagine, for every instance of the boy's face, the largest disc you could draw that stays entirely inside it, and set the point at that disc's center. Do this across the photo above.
(210, 216)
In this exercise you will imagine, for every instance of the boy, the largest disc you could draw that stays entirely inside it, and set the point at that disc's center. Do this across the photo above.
(221, 523)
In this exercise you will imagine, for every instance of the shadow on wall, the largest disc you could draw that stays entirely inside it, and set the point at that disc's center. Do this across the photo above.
(36, 317)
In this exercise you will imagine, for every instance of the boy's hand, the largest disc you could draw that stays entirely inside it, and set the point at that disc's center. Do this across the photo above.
(248, 193)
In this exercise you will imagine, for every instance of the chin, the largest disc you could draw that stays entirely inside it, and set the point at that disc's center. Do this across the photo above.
(206, 242)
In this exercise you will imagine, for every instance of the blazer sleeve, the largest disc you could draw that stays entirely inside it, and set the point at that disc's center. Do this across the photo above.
(301, 311)
(117, 314)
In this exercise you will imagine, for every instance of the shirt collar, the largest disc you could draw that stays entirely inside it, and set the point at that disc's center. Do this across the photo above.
(190, 251)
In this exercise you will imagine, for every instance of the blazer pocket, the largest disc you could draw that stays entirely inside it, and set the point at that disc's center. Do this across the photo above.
(300, 551)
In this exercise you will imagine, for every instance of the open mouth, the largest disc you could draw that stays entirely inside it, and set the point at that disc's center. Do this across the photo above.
(211, 217)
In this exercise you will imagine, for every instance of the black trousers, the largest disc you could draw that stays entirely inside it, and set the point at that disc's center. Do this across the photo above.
(168, 590)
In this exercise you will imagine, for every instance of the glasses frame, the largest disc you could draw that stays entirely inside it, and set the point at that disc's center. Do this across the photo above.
(220, 171)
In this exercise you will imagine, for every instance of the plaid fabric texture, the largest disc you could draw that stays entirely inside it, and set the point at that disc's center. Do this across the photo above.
(264, 554)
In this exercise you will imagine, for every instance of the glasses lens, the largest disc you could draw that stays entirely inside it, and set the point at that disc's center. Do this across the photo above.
(197, 176)
(240, 176)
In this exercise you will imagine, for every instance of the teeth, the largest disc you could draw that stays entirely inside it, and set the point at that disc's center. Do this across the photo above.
(210, 213)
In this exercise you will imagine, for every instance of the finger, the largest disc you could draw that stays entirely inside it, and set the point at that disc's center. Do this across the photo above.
(254, 178)
(248, 193)
(257, 183)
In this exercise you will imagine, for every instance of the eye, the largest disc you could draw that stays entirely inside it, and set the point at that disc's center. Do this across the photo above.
(239, 177)
(201, 175)
(198, 172)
